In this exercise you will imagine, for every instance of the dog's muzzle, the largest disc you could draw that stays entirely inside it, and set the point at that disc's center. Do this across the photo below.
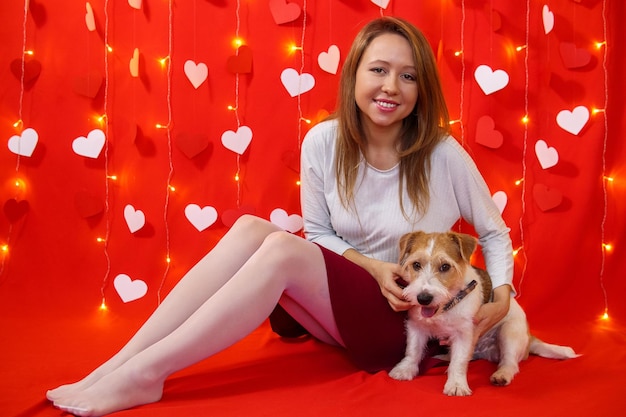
(424, 299)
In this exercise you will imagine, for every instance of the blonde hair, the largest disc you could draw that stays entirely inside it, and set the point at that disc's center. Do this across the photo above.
(421, 130)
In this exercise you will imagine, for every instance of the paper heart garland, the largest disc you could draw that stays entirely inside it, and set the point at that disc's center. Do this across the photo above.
(15, 210)
(134, 64)
(242, 62)
(547, 156)
(546, 198)
(573, 121)
(24, 144)
(196, 73)
(89, 146)
(135, 219)
(200, 218)
(237, 141)
(87, 205)
(296, 83)
(284, 12)
(128, 289)
(486, 134)
(500, 199)
(291, 223)
(381, 3)
(329, 61)
(192, 144)
(489, 80)
(135, 4)
(548, 19)
(90, 19)
(572, 56)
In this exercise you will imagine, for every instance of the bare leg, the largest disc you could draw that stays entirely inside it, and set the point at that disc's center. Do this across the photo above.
(284, 265)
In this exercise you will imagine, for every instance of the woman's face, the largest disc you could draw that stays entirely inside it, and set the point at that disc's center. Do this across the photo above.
(386, 87)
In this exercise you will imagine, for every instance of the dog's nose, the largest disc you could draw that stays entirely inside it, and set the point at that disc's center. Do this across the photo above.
(424, 298)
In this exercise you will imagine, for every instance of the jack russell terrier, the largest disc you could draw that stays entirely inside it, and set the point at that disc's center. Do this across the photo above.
(446, 291)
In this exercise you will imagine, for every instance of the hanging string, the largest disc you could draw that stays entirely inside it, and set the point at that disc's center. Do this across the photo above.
(300, 117)
(462, 92)
(236, 109)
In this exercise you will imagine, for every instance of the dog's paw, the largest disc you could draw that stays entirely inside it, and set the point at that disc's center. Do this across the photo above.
(457, 389)
(404, 372)
(501, 378)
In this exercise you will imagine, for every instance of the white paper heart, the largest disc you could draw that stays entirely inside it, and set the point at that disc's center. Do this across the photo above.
(489, 80)
(89, 146)
(573, 121)
(547, 156)
(90, 19)
(548, 19)
(200, 218)
(135, 4)
(128, 289)
(500, 198)
(237, 141)
(381, 3)
(133, 65)
(292, 223)
(295, 83)
(196, 73)
(329, 61)
(24, 144)
(135, 219)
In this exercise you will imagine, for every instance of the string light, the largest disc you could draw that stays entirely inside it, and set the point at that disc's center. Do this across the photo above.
(458, 53)
(596, 111)
(600, 44)
(521, 48)
(18, 124)
(525, 119)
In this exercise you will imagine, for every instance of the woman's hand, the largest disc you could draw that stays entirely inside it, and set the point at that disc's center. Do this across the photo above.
(491, 313)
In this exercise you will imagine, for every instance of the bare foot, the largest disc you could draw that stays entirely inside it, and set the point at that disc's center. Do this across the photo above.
(69, 389)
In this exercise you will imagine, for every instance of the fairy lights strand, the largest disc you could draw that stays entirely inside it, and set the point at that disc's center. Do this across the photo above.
(300, 117)
(236, 109)
(462, 92)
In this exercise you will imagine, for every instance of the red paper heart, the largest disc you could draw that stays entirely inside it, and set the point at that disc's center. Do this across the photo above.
(547, 198)
(487, 135)
(87, 205)
(229, 217)
(88, 85)
(284, 12)
(192, 144)
(242, 62)
(15, 210)
(495, 18)
(32, 69)
(572, 56)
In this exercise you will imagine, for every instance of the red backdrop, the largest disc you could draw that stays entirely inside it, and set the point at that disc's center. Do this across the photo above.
(57, 203)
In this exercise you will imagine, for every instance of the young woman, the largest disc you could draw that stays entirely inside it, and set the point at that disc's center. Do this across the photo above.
(382, 166)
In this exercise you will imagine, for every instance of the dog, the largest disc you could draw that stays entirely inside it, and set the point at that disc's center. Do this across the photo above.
(445, 292)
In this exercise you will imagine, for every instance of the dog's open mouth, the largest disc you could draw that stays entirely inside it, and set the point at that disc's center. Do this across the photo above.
(428, 312)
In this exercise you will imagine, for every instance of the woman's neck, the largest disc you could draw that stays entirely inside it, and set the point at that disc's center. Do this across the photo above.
(381, 149)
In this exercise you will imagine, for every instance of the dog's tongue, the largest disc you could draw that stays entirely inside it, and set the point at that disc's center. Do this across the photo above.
(428, 311)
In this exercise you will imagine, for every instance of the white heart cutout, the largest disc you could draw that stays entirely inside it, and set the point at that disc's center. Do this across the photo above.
(135, 219)
(196, 73)
(548, 19)
(489, 80)
(547, 156)
(89, 146)
(329, 61)
(381, 3)
(295, 83)
(24, 144)
(135, 4)
(200, 218)
(500, 199)
(292, 223)
(573, 121)
(90, 19)
(237, 141)
(128, 289)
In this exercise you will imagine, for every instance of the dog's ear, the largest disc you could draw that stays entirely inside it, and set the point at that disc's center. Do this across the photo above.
(466, 243)
(406, 245)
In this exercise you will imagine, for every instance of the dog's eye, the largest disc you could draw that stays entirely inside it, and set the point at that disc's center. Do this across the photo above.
(417, 266)
(444, 268)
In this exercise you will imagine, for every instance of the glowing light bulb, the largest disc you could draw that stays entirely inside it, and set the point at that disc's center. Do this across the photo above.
(109, 48)
(4, 248)
(112, 177)
(236, 177)
(516, 251)
(607, 247)
(609, 179)
(172, 188)
(458, 53)
(163, 61)
(596, 111)
(103, 305)
(605, 316)
(160, 126)
(525, 119)
(521, 48)
(18, 123)
(298, 183)
(518, 182)
(600, 44)
(29, 52)
(308, 121)
(237, 42)
(231, 108)
(452, 122)
(168, 259)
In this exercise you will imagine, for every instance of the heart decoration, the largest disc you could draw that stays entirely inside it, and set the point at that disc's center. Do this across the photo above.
(381, 3)
(573, 121)
(200, 218)
(329, 61)
(284, 12)
(134, 64)
(572, 56)
(486, 134)
(546, 198)
(229, 217)
(242, 62)
(196, 73)
(547, 156)
(489, 80)
(129, 289)
(89, 146)
(495, 18)
(295, 83)
(88, 85)
(135, 219)
(87, 205)
(15, 210)
(32, 70)
(237, 141)
(291, 223)
(135, 4)
(500, 199)
(192, 144)
(548, 19)
(90, 19)
(24, 145)
(291, 159)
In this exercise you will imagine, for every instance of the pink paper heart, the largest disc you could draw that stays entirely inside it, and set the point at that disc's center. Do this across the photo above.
(133, 66)
(296, 83)
(24, 144)
(547, 156)
(573, 121)
(196, 73)
(89, 146)
(129, 289)
(489, 80)
(237, 141)
(329, 61)
(200, 217)
(135, 219)
(548, 19)
(486, 134)
(291, 223)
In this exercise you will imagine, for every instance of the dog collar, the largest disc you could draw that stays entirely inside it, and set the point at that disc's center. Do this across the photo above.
(461, 295)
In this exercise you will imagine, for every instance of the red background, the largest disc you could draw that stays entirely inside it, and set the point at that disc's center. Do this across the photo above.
(55, 270)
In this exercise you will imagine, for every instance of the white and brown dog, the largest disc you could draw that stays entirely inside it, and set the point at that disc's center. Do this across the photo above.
(446, 291)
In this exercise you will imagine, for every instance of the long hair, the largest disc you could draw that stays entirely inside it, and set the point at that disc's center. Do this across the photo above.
(427, 124)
